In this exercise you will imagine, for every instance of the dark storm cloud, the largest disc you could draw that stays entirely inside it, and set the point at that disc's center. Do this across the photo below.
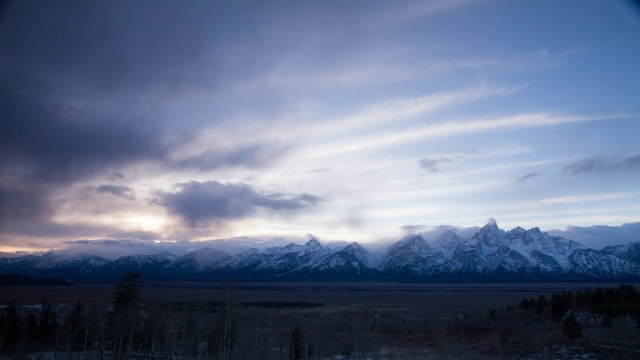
(44, 145)
(83, 85)
(116, 190)
(432, 165)
(528, 176)
(203, 202)
(102, 47)
(602, 165)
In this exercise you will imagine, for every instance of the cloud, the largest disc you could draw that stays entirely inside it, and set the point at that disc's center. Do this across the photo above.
(433, 233)
(603, 165)
(45, 145)
(114, 248)
(592, 197)
(598, 236)
(412, 229)
(446, 129)
(199, 203)
(528, 176)
(415, 10)
(433, 165)
(319, 170)
(114, 176)
(116, 190)
(251, 156)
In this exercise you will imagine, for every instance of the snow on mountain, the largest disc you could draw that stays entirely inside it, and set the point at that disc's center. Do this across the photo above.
(412, 255)
(290, 257)
(492, 251)
(612, 262)
(359, 252)
(466, 258)
(489, 238)
(55, 263)
(139, 263)
(198, 261)
(548, 253)
(447, 243)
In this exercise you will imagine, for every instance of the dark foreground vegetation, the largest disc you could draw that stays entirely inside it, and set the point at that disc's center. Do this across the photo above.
(594, 323)
(21, 280)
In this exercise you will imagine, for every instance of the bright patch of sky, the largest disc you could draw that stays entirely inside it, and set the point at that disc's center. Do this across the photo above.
(352, 121)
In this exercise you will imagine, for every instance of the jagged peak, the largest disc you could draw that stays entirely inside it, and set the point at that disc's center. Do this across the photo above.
(313, 244)
(535, 230)
(355, 243)
(491, 225)
(354, 246)
(413, 238)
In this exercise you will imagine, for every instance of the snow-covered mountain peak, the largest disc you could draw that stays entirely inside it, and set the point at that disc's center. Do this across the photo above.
(359, 252)
(516, 233)
(412, 243)
(313, 245)
(490, 236)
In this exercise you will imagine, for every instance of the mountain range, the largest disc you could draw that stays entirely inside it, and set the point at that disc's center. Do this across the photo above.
(491, 254)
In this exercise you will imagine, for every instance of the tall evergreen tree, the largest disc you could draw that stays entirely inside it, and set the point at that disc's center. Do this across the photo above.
(124, 317)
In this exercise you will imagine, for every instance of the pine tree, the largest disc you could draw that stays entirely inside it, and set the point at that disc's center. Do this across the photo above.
(125, 310)
(541, 304)
(572, 328)
(125, 296)
(296, 349)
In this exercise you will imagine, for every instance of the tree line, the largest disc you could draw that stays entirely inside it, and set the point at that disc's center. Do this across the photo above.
(127, 328)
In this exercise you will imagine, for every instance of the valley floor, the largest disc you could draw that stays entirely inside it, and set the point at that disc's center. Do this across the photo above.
(346, 321)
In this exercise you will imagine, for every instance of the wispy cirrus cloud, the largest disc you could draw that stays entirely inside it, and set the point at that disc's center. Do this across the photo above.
(415, 10)
(455, 128)
(398, 110)
(586, 198)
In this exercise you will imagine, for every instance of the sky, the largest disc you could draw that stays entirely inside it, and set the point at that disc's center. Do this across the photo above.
(155, 123)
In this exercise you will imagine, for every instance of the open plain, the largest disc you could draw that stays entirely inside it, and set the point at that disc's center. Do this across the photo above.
(446, 299)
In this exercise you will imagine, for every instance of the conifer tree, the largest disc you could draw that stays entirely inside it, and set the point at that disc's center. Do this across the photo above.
(125, 310)
(572, 328)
